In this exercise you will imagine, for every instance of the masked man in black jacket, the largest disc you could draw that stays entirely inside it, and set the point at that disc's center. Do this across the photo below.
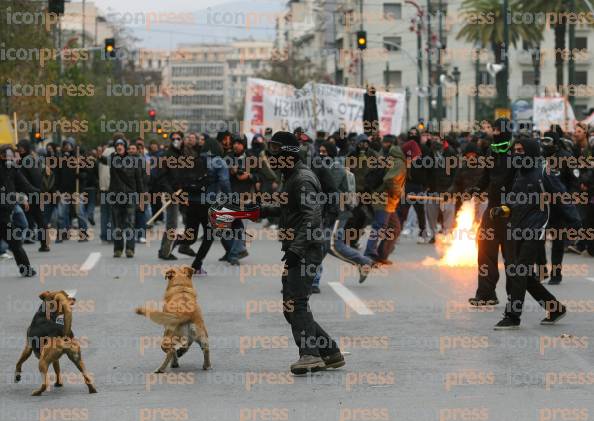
(496, 179)
(303, 255)
(554, 151)
(11, 182)
(526, 210)
(31, 168)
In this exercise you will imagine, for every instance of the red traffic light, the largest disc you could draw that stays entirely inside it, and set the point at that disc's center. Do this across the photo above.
(152, 113)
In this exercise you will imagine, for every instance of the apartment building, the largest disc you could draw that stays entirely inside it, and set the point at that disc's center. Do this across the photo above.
(325, 31)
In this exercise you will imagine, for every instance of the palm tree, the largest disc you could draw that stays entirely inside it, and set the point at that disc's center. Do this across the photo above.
(559, 26)
(489, 30)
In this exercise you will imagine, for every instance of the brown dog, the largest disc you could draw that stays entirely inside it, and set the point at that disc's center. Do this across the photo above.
(181, 317)
(50, 336)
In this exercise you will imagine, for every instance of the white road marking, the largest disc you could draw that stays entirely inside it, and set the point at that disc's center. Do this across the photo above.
(91, 261)
(350, 299)
(590, 279)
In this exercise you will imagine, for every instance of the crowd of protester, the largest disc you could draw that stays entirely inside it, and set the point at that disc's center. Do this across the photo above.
(189, 170)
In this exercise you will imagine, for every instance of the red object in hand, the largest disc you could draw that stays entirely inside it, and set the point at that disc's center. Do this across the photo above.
(221, 217)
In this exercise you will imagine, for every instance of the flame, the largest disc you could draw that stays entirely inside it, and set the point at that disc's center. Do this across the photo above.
(459, 248)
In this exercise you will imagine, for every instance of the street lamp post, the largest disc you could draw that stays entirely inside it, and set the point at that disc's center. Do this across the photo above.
(536, 58)
(407, 97)
(419, 29)
(456, 76)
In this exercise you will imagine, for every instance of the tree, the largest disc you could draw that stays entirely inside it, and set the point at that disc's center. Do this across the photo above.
(559, 8)
(485, 26)
(293, 71)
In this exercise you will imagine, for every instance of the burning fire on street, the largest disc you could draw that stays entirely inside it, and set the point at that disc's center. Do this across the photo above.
(459, 248)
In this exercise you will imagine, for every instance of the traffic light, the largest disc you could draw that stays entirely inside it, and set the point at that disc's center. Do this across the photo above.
(110, 47)
(36, 135)
(152, 114)
(159, 129)
(421, 125)
(362, 40)
(56, 7)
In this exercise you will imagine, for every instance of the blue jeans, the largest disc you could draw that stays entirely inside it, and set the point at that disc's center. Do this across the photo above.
(63, 217)
(339, 248)
(106, 219)
(234, 244)
(380, 220)
(83, 216)
(19, 221)
(92, 200)
(141, 218)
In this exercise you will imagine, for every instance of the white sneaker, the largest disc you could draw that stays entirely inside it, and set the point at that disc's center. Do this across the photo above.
(142, 240)
(5, 256)
(273, 226)
(421, 240)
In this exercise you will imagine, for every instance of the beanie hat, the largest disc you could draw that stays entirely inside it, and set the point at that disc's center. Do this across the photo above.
(411, 149)
(362, 138)
(288, 142)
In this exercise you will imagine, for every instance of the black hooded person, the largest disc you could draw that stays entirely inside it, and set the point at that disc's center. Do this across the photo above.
(497, 178)
(12, 181)
(558, 159)
(526, 210)
(31, 168)
(301, 216)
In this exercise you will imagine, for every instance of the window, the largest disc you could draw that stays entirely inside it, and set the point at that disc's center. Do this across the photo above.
(581, 78)
(485, 78)
(581, 43)
(392, 43)
(188, 71)
(392, 11)
(528, 78)
(581, 111)
(393, 78)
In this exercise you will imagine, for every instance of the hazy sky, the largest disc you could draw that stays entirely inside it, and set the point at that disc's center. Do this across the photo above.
(192, 21)
(165, 5)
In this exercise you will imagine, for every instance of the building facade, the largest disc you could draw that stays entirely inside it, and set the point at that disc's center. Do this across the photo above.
(326, 32)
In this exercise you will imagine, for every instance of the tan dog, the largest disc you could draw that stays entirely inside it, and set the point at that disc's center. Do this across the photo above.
(181, 317)
(50, 336)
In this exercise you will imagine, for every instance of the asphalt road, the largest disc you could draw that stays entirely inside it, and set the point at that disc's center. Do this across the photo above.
(416, 350)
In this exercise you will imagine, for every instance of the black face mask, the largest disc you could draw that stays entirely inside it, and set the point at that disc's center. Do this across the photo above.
(549, 150)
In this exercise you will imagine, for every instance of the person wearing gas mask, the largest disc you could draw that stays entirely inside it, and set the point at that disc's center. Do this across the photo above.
(11, 182)
(527, 218)
(302, 256)
(554, 151)
(497, 178)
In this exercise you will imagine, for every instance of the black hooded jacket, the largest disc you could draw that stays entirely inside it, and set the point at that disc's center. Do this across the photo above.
(12, 181)
(531, 187)
(30, 165)
(300, 215)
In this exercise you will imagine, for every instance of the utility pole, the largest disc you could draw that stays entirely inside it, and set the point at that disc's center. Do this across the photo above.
(503, 94)
(361, 66)
(440, 110)
(83, 22)
(477, 82)
(419, 29)
(429, 53)
(571, 62)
